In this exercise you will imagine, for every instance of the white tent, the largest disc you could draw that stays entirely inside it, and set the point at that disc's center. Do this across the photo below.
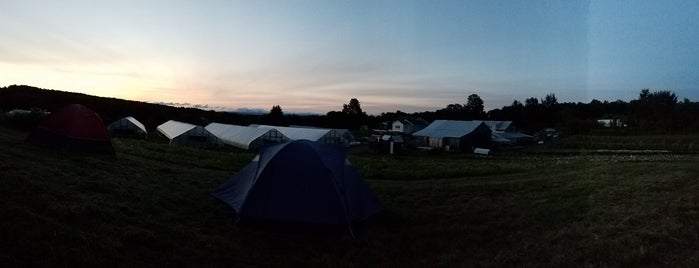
(127, 126)
(188, 135)
(246, 137)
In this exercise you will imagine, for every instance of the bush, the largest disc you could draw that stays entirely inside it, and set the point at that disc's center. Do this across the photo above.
(23, 119)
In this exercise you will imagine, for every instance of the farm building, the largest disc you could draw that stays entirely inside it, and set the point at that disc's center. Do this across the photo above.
(509, 138)
(127, 126)
(504, 126)
(408, 126)
(245, 137)
(455, 135)
(391, 144)
(504, 132)
(73, 128)
(322, 135)
(184, 134)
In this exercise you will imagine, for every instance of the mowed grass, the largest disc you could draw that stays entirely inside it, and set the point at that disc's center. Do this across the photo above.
(150, 206)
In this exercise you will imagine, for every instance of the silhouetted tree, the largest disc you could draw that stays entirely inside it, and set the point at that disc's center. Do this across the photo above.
(354, 116)
(686, 116)
(276, 111)
(354, 108)
(550, 100)
(275, 116)
(514, 112)
(531, 102)
(516, 103)
(455, 108)
(550, 110)
(474, 107)
(532, 115)
(655, 110)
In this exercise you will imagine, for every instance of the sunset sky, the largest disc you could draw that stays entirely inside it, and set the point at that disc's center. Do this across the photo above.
(313, 56)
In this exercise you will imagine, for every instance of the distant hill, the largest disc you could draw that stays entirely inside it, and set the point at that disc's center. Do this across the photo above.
(111, 109)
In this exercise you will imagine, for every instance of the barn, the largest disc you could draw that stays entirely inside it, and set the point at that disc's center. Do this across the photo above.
(453, 135)
(184, 134)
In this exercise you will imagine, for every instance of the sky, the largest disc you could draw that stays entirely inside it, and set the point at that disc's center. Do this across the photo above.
(314, 56)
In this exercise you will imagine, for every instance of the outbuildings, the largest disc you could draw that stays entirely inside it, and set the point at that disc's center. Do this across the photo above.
(455, 135)
(392, 144)
(408, 126)
(185, 134)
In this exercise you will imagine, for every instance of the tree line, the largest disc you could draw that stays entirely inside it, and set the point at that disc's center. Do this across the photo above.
(653, 112)
(656, 112)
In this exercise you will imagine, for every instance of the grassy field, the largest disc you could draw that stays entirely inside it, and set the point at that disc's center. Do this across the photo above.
(151, 207)
(672, 143)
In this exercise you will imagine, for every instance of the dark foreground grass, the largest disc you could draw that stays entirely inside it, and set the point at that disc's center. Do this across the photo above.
(151, 207)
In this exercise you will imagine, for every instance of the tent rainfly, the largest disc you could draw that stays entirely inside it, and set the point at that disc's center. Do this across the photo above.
(73, 128)
(299, 186)
(127, 126)
(184, 134)
(245, 137)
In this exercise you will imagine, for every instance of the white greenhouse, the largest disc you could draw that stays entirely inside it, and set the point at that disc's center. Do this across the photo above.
(127, 126)
(322, 135)
(246, 137)
(185, 134)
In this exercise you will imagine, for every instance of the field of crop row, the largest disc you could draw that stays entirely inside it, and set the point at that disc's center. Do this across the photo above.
(150, 206)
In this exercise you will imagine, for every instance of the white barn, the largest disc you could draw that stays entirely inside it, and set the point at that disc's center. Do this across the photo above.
(127, 126)
(246, 138)
(185, 134)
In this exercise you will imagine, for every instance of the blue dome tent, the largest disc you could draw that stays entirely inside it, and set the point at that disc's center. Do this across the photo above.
(299, 184)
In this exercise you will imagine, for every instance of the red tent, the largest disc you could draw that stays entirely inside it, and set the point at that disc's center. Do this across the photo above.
(73, 128)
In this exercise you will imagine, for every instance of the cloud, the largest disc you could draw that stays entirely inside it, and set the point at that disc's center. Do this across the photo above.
(251, 111)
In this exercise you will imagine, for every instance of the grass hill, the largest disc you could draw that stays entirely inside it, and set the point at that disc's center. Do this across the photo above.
(150, 206)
